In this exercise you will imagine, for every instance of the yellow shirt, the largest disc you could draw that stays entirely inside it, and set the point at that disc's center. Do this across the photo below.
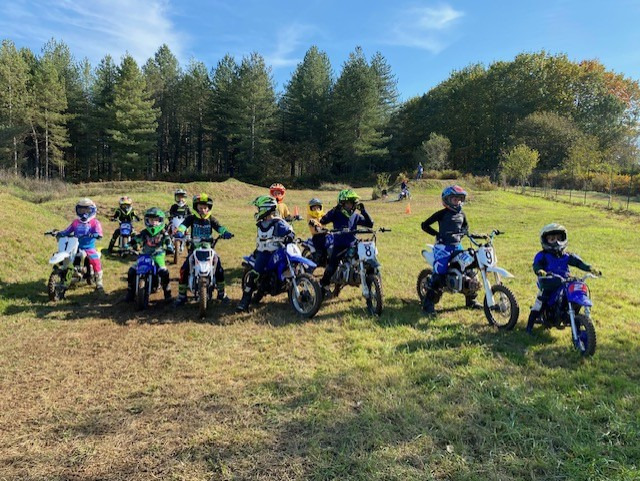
(283, 210)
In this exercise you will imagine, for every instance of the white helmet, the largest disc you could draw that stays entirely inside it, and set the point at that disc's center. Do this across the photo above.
(557, 246)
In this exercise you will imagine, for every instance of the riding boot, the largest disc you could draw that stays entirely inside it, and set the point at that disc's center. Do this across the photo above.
(243, 305)
(533, 317)
(112, 243)
(471, 302)
(99, 286)
(429, 302)
(222, 295)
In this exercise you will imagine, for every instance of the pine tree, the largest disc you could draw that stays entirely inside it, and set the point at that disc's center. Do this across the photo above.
(162, 74)
(305, 107)
(195, 98)
(14, 73)
(50, 115)
(224, 81)
(358, 120)
(135, 120)
(102, 118)
(253, 113)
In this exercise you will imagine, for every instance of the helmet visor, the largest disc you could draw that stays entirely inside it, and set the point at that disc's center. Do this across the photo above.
(83, 210)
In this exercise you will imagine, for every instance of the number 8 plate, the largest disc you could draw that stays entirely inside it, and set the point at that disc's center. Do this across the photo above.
(367, 250)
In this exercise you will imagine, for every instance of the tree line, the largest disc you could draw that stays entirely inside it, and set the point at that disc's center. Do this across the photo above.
(64, 118)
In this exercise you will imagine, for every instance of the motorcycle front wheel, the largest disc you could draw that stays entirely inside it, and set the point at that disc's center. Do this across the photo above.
(307, 302)
(505, 311)
(203, 296)
(374, 301)
(586, 342)
(142, 294)
(54, 287)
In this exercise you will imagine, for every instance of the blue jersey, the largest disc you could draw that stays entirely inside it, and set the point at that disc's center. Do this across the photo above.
(556, 264)
(341, 220)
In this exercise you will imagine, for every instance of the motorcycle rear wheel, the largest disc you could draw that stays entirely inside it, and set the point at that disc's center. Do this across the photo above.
(422, 285)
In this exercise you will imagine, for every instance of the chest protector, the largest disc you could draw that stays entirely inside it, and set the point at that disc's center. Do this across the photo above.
(266, 240)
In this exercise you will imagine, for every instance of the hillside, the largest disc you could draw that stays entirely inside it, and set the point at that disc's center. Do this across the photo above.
(92, 389)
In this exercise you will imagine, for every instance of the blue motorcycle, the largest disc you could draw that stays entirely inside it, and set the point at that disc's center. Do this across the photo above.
(288, 271)
(147, 280)
(563, 309)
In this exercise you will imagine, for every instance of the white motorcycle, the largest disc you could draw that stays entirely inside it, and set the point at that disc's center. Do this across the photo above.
(360, 267)
(203, 262)
(179, 241)
(500, 305)
(70, 266)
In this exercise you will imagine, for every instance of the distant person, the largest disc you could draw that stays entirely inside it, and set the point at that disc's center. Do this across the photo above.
(420, 171)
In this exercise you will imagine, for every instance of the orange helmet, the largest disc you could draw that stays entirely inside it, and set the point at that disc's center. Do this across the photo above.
(277, 190)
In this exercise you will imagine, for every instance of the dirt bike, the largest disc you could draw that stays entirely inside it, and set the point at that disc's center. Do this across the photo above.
(500, 305)
(404, 194)
(70, 266)
(359, 266)
(203, 262)
(288, 271)
(180, 240)
(124, 240)
(147, 280)
(309, 250)
(563, 309)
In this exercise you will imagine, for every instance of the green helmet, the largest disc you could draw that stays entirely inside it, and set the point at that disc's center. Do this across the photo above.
(151, 217)
(265, 205)
(348, 195)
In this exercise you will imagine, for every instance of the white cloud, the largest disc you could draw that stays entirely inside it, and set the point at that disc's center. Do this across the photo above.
(94, 28)
(428, 28)
(289, 40)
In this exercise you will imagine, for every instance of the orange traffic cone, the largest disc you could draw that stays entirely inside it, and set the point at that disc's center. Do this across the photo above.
(408, 209)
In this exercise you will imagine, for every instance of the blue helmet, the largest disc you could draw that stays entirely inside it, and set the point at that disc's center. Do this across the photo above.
(453, 191)
(86, 210)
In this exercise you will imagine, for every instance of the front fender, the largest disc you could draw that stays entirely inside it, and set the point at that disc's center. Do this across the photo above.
(303, 260)
(499, 270)
(58, 257)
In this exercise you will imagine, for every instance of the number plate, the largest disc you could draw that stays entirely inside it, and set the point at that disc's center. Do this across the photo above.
(367, 250)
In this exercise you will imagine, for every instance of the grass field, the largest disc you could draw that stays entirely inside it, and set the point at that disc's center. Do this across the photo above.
(90, 389)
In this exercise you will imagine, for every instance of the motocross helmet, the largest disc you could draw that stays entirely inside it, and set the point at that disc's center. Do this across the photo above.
(277, 191)
(86, 210)
(125, 204)
(453, 191)
(180, 196)
(348, 195)
(314, 214)
(265, 205)
(154, 221)
(558, 245)
(202, 199)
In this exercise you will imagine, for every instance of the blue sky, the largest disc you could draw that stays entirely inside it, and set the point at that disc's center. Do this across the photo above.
(423, 41)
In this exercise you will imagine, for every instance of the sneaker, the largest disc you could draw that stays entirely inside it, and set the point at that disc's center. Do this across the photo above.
(243, 305)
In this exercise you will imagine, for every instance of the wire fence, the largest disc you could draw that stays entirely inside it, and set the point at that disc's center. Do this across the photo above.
(620, 192)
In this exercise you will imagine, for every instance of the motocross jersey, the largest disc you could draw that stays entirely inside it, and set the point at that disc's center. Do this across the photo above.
(556, 264)
(152, 245)
(201, 229)
(178, 211)
(85, 232)
(122, 216)
(342, 220)
(451, 225)
(283, 210)
(272, 234)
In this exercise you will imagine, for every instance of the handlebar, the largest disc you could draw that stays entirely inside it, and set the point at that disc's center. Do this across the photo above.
(359, 231)
(54, 233)
(588, 275)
